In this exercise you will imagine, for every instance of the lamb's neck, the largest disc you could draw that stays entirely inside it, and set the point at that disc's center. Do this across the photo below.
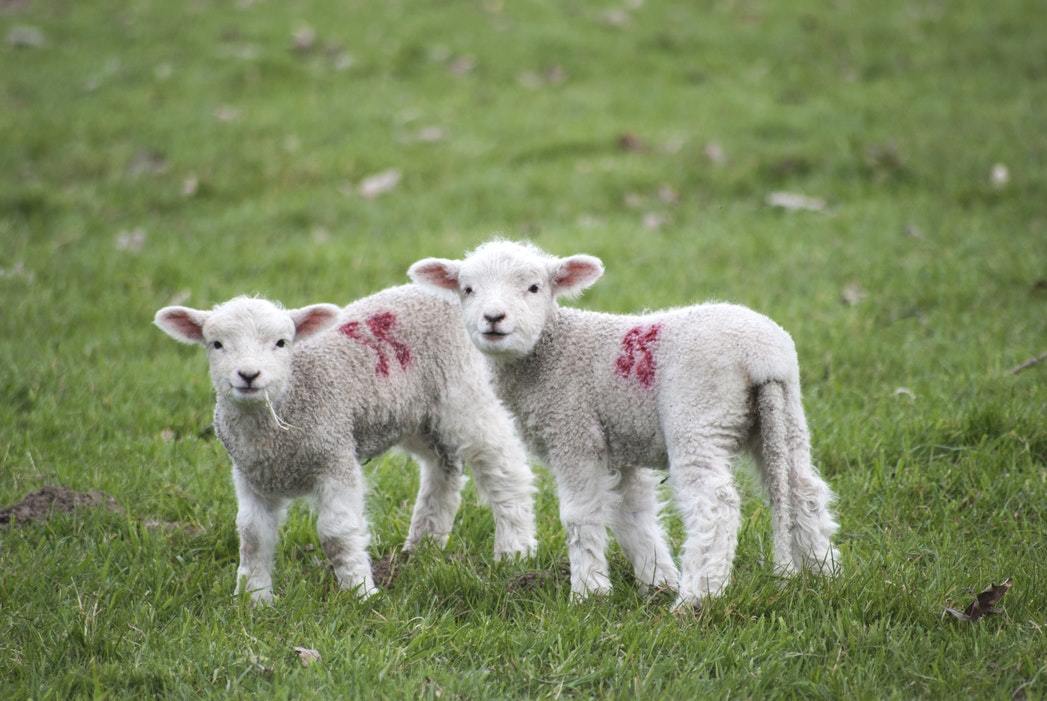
(252, 418)
(513, 374)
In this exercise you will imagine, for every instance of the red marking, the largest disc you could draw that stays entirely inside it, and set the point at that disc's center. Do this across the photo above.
(637, 353)
(380, 326)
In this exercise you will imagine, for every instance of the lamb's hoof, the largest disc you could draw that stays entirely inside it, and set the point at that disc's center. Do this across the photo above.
(686, 606)
(516, 551)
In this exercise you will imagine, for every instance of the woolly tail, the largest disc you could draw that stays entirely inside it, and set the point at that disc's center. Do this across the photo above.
(801, 501)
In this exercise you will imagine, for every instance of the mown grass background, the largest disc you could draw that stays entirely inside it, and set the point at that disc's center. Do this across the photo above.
(895, 113)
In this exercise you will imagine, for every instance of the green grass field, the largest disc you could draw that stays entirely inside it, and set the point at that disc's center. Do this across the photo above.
(152, 151)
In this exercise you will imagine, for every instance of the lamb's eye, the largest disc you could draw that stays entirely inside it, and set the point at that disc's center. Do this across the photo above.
(533, 289)
(217, 345)
(281, 343)
(468, 290)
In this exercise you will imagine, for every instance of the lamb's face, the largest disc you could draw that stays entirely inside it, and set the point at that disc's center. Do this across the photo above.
(248, 342)
(508, 290)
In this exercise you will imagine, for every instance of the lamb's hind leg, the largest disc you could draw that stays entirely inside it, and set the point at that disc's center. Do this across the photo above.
(639, 532)
(439, 492)
(711, 509)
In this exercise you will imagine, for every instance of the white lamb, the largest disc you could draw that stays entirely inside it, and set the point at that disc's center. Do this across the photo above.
(599, 396)
(304, 395)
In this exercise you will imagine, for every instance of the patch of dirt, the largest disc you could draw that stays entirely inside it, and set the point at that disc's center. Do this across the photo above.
(43, 503)
(387, 570)
(530, 581)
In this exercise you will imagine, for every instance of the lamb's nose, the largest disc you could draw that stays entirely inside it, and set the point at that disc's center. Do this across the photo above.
(249, 377)
(494, 318)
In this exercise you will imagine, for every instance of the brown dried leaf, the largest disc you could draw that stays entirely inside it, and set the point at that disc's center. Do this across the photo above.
(631, 142)
(984, 604)
(190, 186)
(307, 655)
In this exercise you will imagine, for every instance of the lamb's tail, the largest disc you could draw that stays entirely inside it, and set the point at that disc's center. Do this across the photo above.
(801, 501)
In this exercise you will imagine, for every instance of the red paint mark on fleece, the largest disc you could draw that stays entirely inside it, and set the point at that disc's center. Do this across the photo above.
(637, 353)
(380, 326)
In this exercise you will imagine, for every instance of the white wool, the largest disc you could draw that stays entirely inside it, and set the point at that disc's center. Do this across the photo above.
(304, 396)
(600, 396)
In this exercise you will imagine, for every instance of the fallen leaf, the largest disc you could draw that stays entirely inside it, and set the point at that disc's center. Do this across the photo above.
(227, 113)
(913, 231)
(984, 604)
(172, 526)
(715, 153)
(631, 142)
(307, 656)
(133, 240)
(904, 392)
(793, 201)
(146, 162)
(667, 194)
(615, 17)
(633, 200)
(852, 293)
(26, 37)
(430, 135)
(653, 221)
(379, 184)
(190, 186)
(303, 39)
(167, 435)
(462, 65)
(343, 61)
(999, 176)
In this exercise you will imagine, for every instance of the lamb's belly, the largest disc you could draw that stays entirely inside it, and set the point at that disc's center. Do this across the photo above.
(636, 446)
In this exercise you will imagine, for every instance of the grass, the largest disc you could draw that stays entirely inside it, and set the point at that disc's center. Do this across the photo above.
(894, 113)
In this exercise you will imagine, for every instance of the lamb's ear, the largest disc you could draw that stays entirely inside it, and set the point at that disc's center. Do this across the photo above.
(435, 272)
(573, 274)
(313, 319)
(182, 323)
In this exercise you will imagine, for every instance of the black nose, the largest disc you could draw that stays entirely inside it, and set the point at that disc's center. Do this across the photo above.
(249, 378)
(494, 318)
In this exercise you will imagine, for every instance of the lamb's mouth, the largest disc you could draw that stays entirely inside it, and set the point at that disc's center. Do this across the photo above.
(247, 391)
(493, 335)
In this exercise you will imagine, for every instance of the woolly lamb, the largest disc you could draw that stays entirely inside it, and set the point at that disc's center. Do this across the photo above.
(301, 404)
(598, 396)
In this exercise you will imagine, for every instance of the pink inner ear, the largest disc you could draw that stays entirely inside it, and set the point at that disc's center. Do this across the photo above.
(575, 272)
(314, 321)
(185, 325)
(439, 274)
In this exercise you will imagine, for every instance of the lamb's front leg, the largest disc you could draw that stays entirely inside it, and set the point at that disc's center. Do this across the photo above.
(341, 524)
(258, 523)
(587, 498)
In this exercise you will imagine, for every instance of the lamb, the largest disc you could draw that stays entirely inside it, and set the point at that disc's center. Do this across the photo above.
(600, 396)
(305, 395)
